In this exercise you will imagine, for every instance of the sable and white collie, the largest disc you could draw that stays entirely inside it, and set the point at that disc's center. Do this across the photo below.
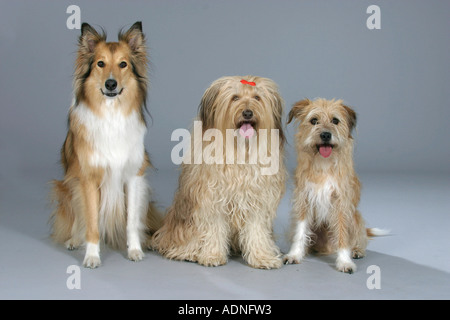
(104, 195)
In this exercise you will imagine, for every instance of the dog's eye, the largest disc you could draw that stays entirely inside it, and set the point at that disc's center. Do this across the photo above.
(235, 98)
(314, 121)
(257, 98)
(335, 120)
(123, 64)
(101, 64)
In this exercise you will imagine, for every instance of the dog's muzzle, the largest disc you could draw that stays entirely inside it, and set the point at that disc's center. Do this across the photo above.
(325, 148)
(247, 125)
(111, 88)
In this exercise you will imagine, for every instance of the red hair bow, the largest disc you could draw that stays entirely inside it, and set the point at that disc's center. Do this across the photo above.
(249, 83)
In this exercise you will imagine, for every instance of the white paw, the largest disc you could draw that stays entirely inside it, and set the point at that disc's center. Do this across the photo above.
(291, 259)
(92, 256)
(344, 261)
(91, 261)
(345, 266)
(135, 254)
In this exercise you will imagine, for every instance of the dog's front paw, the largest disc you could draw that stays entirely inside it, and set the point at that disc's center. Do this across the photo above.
(344, 261)
(346, 266)
(91, 261)
(213, 261)
(266, 262)
(135, 254)
(92, 256)
(291, 259)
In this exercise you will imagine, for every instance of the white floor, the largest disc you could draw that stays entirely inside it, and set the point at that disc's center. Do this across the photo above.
(414, 262)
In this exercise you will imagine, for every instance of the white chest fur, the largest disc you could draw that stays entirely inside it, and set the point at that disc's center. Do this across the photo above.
(117, 140)
(320, 198)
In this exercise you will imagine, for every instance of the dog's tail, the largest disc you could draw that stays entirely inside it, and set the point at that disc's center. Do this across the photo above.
(376, 232)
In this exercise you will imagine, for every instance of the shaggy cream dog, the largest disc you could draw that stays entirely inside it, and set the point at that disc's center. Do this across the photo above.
(225, 203)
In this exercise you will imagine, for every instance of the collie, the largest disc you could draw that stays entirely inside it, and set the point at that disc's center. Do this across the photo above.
(104, 196)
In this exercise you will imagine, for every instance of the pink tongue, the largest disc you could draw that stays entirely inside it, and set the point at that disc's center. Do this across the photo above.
(325, 151)
(246, 130)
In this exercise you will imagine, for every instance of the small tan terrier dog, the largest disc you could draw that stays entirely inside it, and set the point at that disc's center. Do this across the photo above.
(327, 189)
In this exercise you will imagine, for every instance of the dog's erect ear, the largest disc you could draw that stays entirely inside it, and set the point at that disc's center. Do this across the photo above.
(135, 40)
(89, 38)
(298, 108)
(87, 42)
(134, 37)
(351, 117)
(206, 109)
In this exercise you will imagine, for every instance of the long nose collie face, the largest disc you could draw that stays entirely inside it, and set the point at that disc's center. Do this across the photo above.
(111, 70)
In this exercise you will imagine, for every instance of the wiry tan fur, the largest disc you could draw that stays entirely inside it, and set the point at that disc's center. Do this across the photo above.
(101, 171)
(219, 208)
(327, 190)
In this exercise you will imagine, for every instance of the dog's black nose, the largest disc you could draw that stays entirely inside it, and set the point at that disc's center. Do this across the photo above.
(247, 114)
(111, 84)
(325, 136)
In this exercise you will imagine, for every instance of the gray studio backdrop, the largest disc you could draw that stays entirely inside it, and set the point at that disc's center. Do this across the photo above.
(396, 77)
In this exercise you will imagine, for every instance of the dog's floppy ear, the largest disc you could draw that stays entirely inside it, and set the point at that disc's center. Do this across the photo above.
(206, 109)
(351, 117)
(89, 38)
(278, 113)
(134, 37)
(298, 109)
